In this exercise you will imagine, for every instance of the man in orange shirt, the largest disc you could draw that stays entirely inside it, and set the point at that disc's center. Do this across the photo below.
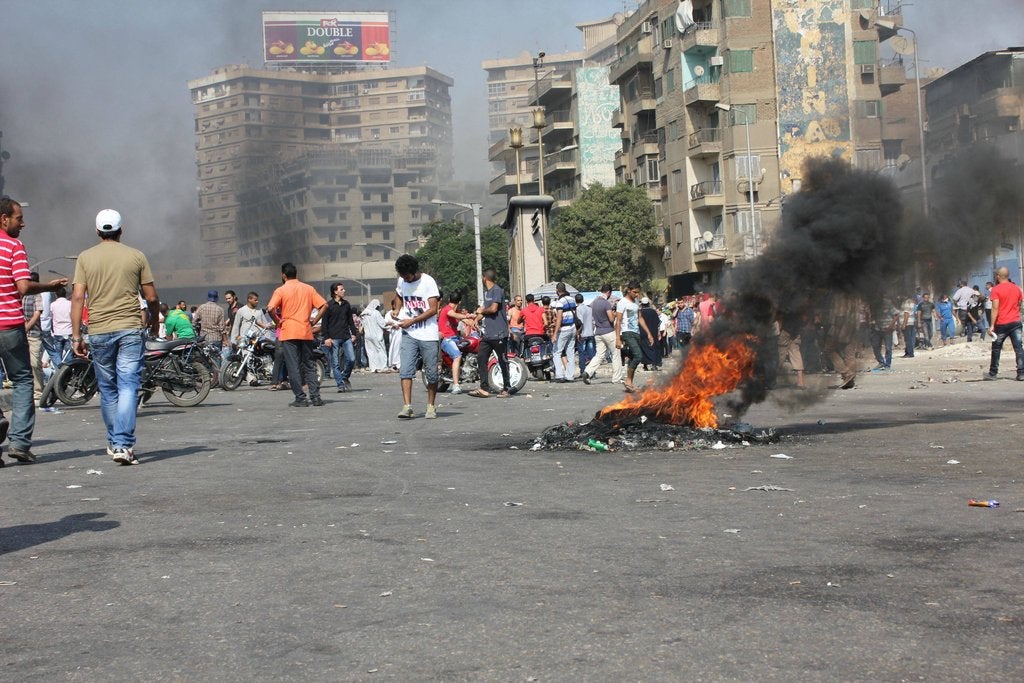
(296, 301)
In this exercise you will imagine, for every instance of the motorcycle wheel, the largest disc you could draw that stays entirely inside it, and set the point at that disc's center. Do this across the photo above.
(442, 382)
(232, 376)
(518, 372)
(75, 384)
(321, 371)
(192, 389)
(49, 395)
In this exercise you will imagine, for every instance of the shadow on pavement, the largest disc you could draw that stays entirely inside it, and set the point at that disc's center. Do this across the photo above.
(23, 536)
(870, 423)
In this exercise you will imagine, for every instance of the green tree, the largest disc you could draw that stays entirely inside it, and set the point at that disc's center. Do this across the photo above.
(449, 257)
(603, 237)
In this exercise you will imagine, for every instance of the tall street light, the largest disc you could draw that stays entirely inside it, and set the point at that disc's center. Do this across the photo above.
(538, 121)
(903, 49)
(750, 172)
(515, 141)
(380, 244)
(476, 243)
(52, 259)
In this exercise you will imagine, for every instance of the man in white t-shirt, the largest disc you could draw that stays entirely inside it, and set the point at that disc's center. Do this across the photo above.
(628, 326)
(418, 322)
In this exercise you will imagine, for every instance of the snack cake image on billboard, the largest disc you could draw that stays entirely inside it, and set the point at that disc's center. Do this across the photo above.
(326, 37)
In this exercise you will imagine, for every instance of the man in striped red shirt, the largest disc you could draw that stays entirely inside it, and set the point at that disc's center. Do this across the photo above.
(15, 283)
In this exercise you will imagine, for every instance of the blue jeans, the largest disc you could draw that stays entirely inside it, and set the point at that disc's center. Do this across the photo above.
(340, 347)
(910, 339)
(117, 360)
(588, 347)
(412, 351)
(878, 339)
(565, 341)
(61, 346)
(1011, 330)
(14, 354)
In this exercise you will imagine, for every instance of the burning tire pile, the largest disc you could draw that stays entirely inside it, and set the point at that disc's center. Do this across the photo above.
(638, 433)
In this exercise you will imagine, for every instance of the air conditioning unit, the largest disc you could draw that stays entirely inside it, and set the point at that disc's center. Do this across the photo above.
(867, 68)
(646, 27)
(667, 44)
(717, 60)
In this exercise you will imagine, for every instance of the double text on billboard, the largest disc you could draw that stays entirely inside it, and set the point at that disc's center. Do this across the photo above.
(326, 37)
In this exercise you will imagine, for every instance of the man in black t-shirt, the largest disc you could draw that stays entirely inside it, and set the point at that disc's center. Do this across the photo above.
(926, 318)
(336, 327)
(494, 337)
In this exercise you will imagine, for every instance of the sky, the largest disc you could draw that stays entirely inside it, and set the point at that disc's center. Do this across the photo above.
(95, 109)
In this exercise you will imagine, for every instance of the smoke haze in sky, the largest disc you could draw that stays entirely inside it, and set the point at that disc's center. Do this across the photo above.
(96, 112)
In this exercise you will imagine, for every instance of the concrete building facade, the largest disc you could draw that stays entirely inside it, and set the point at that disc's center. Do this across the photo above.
(722, 105)
(318, 167)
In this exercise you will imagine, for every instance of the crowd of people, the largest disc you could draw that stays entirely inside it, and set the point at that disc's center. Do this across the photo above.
(41, 325)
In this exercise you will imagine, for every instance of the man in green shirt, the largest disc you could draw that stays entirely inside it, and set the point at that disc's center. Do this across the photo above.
(177, 326)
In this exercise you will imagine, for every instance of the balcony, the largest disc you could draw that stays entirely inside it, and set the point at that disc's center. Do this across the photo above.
(621, 160)
(702, 89)
(548, 86)
(563, 196)
(891, 78)
(627, 64)
(706, 194)
(706, 142)
(717, 243)
(702, 36)
(618, 121)
(646, 144)
(505, 183)
(560, 163)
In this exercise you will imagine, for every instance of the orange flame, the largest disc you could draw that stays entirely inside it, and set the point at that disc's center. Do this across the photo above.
(708, 371)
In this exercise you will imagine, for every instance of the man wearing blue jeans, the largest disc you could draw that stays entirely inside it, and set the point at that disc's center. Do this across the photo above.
(336, 327)
(112, 275)
(16, 283)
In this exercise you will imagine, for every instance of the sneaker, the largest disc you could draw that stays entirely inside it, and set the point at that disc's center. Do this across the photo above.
(299, 403)
(124, 456)
(586, 377)
(989, 376)
(110, 450)
(341, 388)
(4, 426)
(431, 413)
(316, 402)
(455, 389)
(848, 384)
(21, 454)
(348, 385)
(406, 411)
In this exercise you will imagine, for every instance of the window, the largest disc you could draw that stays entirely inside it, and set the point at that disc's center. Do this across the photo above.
(653, 174)
(677, 181)
(495, 89)
(741, 61)
(869, 159)
(868, 109)
(659, 91)
(743, 222)
(670, 80)
(673, 130)
(395, 130)
(736, 8)
(367, 196)
(747, 167)
(741, 114)
(862, 4)
(865, 52)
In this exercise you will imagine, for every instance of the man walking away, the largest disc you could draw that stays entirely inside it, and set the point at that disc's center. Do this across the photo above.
(338, 336)
(603, 314)
(296, 299)
(565, 334)
(585, 320)
(1006, 298)
(212, 324)
(111, 275)
(962, 298)
(418, 321)
(495, 335)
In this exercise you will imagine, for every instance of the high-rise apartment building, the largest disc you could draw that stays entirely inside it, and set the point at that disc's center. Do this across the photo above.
(722, 102)
(318, 165)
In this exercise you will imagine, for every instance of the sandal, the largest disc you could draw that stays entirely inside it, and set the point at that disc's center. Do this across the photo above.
(479, 393)
(504, 394)
(629, 388)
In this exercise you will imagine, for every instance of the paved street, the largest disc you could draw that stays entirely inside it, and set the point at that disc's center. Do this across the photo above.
(261, 542)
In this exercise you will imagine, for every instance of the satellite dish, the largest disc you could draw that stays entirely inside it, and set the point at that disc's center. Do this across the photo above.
(698, 71)
(708, 236)
(902, 161)
(902, 45)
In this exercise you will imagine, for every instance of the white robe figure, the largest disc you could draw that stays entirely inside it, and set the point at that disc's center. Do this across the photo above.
(373, 336)
(395, 344)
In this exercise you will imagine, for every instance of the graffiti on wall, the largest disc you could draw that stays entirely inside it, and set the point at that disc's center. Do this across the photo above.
(596, 104)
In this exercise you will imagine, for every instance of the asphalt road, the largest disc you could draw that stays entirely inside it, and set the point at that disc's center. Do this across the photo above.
(261, 542)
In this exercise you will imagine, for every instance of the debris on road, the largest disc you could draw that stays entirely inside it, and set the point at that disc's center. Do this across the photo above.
(388, 441)
(731, 531)
(512, 504)
(94, 472)
(952, 462)
(74, 486)
(781, 456)
(983, 503)
(386, 594)
(667, 487)
(766, 487)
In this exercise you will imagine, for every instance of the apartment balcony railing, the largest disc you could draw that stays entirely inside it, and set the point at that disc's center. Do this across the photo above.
(546, 84)
(706, 142)
(628, 63)
(717, 243)
(706, 188)
(703, 34)
(703, 89)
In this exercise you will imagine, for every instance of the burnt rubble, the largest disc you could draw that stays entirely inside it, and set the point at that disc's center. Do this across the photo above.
(638, 433)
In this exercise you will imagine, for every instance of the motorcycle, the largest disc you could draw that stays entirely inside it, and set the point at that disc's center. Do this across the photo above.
(255, 359)
(538, 356)
(469, 371)
(73, 383)
(174, 367)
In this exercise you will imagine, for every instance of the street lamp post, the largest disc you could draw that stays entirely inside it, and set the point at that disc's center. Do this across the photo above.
(515, 141)
(538, 120)
(476, 243)
(750, 173)
(885, 23)
(52, 259)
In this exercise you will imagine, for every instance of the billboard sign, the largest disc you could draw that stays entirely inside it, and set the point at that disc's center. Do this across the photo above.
(326, 37)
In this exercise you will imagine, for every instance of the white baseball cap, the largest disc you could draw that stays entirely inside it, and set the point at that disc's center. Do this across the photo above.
(108, 220)
(645, 300)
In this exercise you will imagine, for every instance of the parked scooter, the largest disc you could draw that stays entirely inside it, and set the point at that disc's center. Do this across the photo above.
(537, 354)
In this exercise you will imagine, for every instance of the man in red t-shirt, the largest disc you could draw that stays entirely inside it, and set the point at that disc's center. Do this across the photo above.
(1006, 298)
(533, 318)
(448, 329)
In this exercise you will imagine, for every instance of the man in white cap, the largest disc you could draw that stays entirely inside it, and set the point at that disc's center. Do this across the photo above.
(112, 274)
(15, 282)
